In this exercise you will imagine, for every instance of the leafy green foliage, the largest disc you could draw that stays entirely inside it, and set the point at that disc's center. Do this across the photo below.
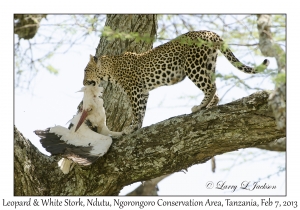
(52, 70)
(279, 78)
(111, 35)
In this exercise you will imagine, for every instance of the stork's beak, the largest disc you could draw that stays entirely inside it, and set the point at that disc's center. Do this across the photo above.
(82, 119)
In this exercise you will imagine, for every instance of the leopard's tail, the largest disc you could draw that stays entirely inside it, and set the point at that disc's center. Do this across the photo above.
(239, 65)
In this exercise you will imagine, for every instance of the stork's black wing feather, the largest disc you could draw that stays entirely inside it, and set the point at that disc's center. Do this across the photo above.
(51, 142)
(55, 146)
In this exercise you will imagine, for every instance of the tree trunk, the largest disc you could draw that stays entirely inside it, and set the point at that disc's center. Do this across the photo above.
(116, 102)
(277, 99)
(163, 148)
(267, 45)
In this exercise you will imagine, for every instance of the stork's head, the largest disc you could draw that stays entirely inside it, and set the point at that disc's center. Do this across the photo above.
(92, 72)
(92, 102)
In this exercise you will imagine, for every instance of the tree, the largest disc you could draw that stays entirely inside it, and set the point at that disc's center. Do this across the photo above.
(148, 150)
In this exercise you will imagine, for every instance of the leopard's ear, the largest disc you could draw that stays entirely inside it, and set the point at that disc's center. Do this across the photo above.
(93, 59)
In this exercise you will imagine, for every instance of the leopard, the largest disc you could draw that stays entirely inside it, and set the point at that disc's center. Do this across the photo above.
(193, 55)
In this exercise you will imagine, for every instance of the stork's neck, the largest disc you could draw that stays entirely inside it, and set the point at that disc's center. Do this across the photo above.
(97, 118)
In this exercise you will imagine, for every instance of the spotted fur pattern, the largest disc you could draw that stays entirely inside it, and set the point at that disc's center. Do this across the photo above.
(193, 54)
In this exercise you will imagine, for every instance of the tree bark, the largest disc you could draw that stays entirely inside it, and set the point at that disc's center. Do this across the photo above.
(163, 148)
(116, 103)
(277, 100)
(267, 45)
(279, 145)
(27, 25)
(148, 187)
(119, 117)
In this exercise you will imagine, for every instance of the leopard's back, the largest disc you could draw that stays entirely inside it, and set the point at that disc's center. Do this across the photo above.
(169, 63)
(193, 54)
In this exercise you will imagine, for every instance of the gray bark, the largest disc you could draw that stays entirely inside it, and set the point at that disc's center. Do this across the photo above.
(116, 102)
(277, 99)
(166, 147)
(278, 145)
(27, 25)
(267, 45)
(119, 117)
(148, 187)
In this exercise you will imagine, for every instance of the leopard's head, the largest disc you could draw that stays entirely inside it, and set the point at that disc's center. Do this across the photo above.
(92, 74)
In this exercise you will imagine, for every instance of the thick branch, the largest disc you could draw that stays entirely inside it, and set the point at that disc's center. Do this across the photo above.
(163, 148)
(148, 187)
(279, 145)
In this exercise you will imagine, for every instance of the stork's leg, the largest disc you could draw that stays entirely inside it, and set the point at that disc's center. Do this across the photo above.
(105, 131)
(72, 165)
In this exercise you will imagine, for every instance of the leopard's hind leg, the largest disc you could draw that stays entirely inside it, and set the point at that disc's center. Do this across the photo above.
(201, 70)
(214, 101)
(209, 93)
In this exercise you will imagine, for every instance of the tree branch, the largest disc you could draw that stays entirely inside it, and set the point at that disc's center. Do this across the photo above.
(27, 25)
(148, 187)
(279, 145)
(162, 148)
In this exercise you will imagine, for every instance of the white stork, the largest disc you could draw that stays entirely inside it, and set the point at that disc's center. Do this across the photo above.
(87, 138)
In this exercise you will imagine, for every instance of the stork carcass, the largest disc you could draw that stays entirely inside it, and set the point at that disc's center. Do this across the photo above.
(87, 137)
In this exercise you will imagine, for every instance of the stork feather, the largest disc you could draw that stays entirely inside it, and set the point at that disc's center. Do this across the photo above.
(86, 139)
